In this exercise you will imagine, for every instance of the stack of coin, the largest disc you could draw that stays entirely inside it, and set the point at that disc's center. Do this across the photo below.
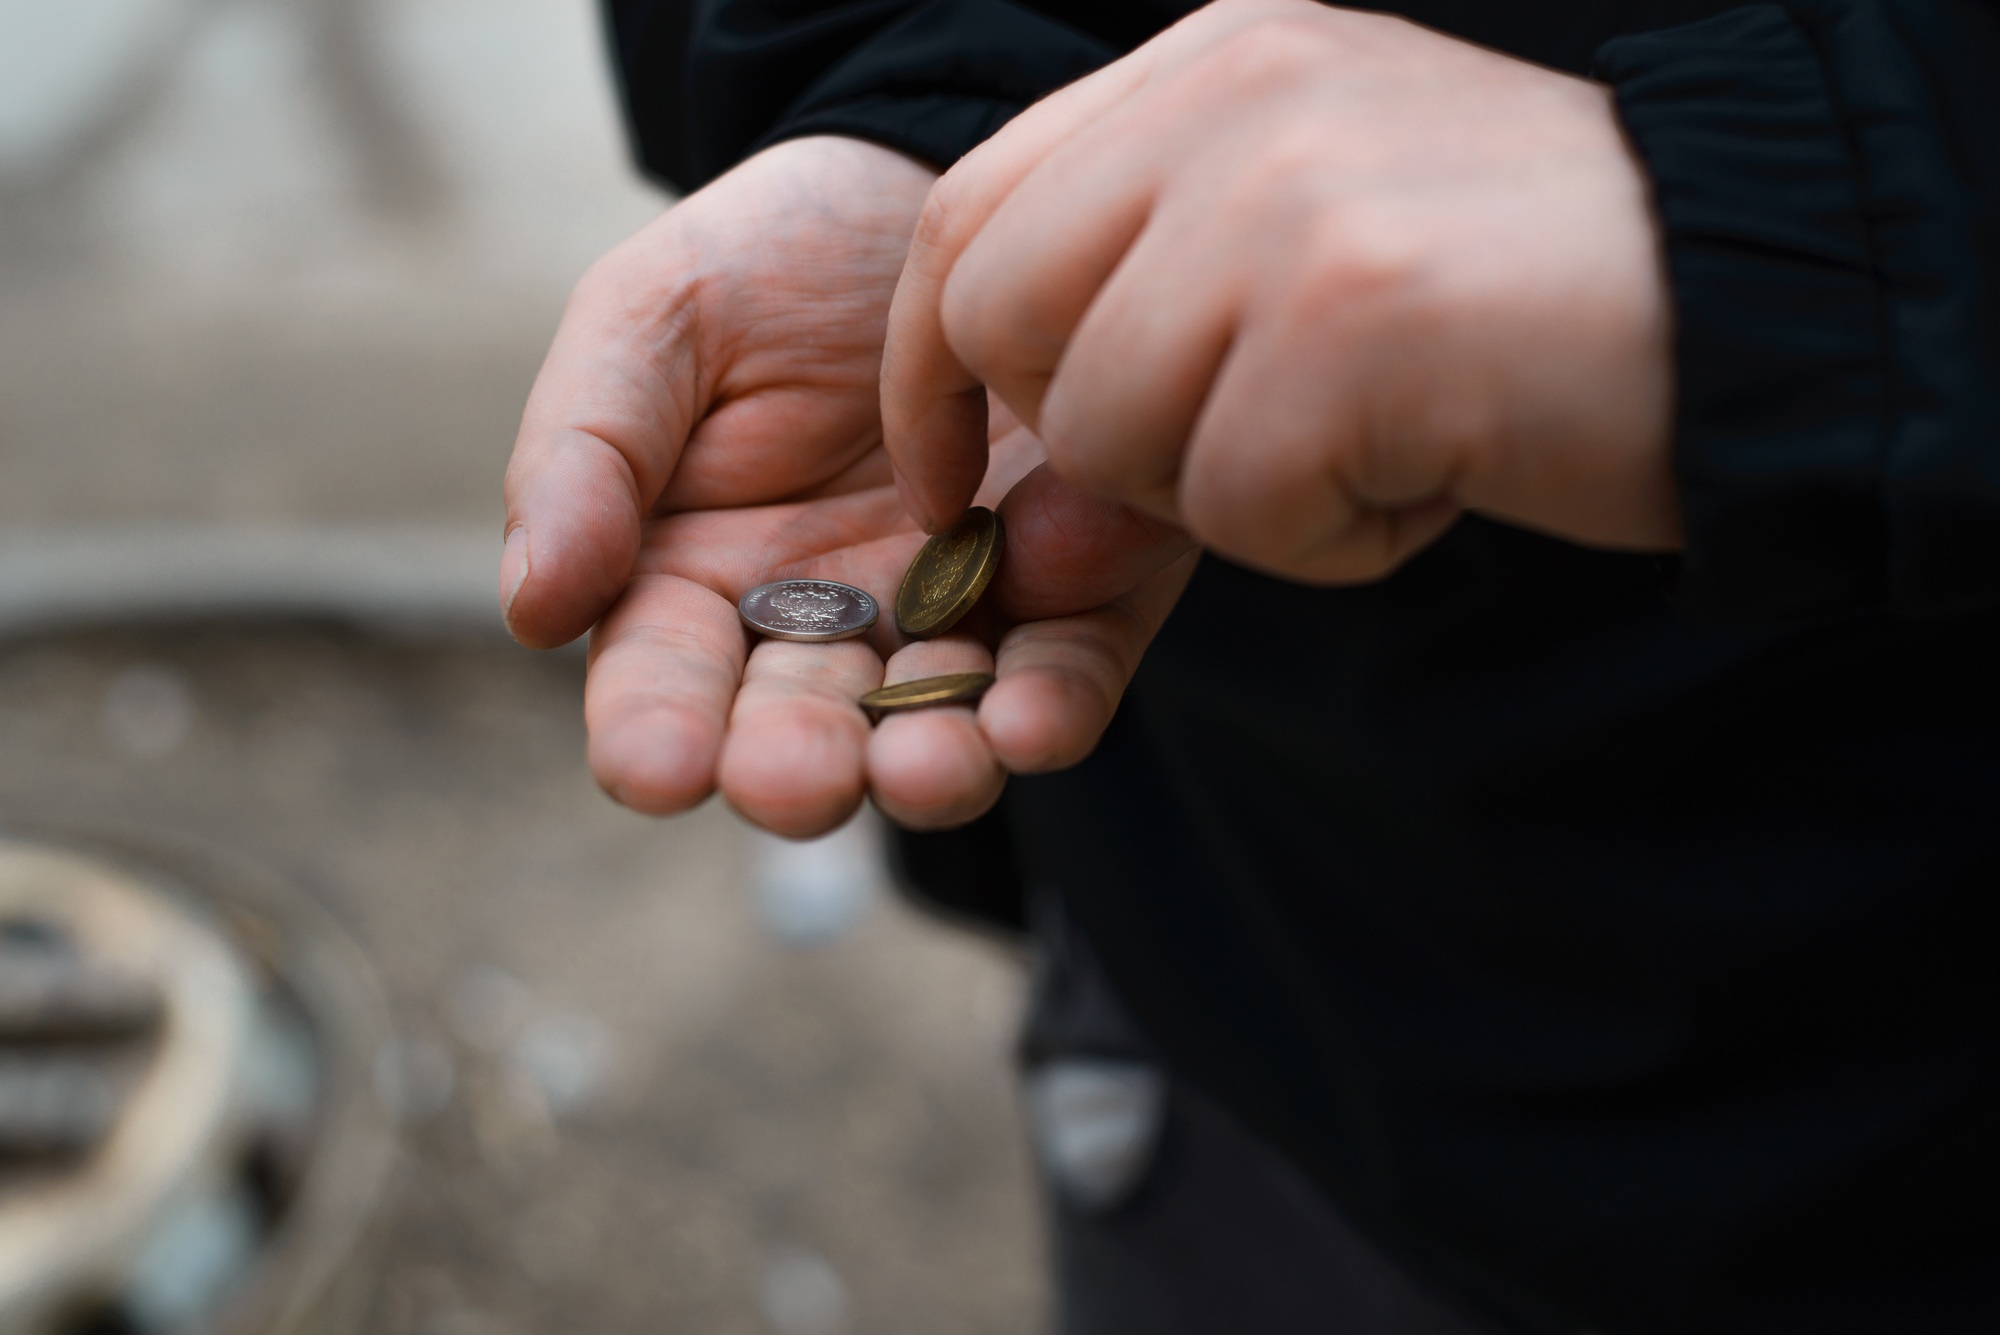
(945, 580)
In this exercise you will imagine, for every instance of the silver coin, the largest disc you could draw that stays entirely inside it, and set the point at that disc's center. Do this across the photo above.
(811, 610)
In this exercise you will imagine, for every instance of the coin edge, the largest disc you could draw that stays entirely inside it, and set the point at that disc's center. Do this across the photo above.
(897, 707)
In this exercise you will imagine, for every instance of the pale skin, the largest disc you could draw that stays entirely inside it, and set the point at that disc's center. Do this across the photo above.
(1295, 284)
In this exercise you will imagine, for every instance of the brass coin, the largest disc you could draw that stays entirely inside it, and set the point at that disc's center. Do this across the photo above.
(949, 574)
(953, 688)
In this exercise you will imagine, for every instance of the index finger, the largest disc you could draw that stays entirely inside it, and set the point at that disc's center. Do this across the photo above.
(933, 408)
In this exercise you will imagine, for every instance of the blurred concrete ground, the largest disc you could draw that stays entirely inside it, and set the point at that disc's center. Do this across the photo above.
(278, 262)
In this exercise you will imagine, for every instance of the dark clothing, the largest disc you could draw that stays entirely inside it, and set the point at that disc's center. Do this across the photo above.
(1614, 970)
(1614, 944)
(1219, 1233)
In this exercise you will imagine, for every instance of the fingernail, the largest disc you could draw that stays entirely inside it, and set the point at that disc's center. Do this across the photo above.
(513, 569)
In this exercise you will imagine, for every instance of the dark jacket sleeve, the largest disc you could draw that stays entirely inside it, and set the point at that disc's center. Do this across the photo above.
(931, 78)
(649, 50)
(1828, 176)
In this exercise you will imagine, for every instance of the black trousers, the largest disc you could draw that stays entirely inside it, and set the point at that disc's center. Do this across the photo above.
(1170, 1218)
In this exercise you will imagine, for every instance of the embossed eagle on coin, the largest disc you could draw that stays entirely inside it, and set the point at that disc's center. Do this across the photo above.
(812, 610)
(949, 573)
(810, 605)
(945, 575)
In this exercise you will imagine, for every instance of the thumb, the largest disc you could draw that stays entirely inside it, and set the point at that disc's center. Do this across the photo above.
(603, 429)
(1069, 551)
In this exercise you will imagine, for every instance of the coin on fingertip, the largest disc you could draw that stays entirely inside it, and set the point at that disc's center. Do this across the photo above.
(949, 574)
(952, 688)
(811, 611)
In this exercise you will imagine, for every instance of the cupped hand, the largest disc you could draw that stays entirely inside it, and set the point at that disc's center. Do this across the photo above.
(1308, 282)
(679, 702)
(707, 419)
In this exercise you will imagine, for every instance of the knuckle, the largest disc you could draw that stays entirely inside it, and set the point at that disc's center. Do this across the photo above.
(1232, 16)
(1355, 259)
(1070, 454)
(941, 222)
(1274, 47)
(970, 324)
(1082, 458)
(1285, 520)
(1228, 518)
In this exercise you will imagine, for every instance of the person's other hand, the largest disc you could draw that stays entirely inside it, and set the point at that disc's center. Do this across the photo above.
(1309, 282)
(708, 419)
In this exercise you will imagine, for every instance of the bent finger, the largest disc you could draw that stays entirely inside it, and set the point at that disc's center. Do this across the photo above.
(933, 408)
(794, 758)
(1060, 681)
(931, 769)
(1117, 412)
(664, 665)
(1022, 283)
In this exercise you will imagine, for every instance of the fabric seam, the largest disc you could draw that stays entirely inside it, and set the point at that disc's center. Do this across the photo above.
(1888, 411)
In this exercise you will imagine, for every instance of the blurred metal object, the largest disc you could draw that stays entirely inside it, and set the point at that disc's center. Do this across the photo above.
(49, 989)
(812, 892)
(800, 1293)
(1096, 1126)
(189, 1136)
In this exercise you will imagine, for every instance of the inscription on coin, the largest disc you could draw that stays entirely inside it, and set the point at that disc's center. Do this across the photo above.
(808, 610)
(952, 688)
(949, 574)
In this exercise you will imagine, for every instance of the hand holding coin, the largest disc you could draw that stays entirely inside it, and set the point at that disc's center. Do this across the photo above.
(668, 466)
(797, 751)
(943, 583)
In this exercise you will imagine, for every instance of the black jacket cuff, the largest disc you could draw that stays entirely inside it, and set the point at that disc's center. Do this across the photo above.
(943, 78)
(1835, 443)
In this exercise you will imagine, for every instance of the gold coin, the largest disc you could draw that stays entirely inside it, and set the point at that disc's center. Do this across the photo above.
(948, 574)
(953, 688)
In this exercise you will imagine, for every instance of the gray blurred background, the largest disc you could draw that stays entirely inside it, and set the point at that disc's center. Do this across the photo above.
(275, 276)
